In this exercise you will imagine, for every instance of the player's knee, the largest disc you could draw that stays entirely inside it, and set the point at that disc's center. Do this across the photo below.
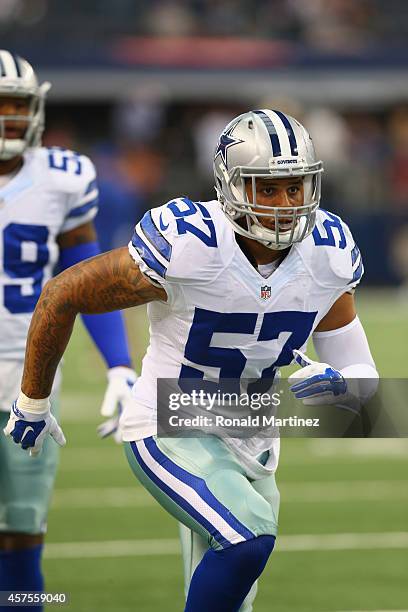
(251, 556)
(256, 552)
(19, 541)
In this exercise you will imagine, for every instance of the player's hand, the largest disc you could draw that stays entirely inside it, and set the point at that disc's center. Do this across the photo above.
(317, 383)
(29, 429)
(118, 392)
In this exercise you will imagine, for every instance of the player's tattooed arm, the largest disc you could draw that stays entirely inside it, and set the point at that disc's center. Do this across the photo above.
(107, 282)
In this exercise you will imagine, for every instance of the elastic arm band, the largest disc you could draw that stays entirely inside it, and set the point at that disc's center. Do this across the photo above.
(347, 350)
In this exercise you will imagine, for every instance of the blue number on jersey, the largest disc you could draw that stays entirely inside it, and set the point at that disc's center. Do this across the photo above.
(30, 268)
(231, 361)
(333, 222)
(184, 226)
(61, 159)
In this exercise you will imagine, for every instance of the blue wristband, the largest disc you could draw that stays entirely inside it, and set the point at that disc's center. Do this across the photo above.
(107, 330)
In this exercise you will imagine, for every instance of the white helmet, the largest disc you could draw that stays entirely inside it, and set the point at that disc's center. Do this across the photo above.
(18, 79)
(268, 144)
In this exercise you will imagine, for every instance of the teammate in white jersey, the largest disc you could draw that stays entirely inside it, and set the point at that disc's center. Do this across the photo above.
(48, 198)
(234, 287)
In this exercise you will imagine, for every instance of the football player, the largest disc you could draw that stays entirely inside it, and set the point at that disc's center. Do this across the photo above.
(48, 198)
(202, 268)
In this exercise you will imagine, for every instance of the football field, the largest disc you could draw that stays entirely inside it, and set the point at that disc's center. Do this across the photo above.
(343, 543)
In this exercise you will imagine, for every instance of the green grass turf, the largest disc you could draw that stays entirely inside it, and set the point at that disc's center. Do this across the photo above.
(328, 487)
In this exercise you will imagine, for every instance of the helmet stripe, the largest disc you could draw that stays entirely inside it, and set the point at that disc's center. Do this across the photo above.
(9, 65)
(2, 69)
(276, 148)
(17, 63)
(291, 133)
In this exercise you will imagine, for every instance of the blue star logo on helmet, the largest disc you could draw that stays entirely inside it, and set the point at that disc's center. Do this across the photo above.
(225, 142)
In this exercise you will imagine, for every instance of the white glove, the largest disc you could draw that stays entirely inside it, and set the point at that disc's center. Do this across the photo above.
(118, 392)
(319, 384)
(29, 429)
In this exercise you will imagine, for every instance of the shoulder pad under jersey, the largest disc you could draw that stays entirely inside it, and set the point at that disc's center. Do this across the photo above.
(331, 254)
(182, 242)
(73, 176)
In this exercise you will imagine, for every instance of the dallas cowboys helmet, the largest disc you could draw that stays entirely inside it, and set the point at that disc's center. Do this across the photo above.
(268, 144)
(18, 79)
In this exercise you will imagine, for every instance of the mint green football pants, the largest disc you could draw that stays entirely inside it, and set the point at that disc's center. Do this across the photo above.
(202, 484)
(26, 483)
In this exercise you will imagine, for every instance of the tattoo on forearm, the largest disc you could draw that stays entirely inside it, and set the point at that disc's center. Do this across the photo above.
(107, 282)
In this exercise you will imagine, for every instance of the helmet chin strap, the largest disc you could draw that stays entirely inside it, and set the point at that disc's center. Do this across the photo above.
(11, 148)
(285, 239)
(268, 237)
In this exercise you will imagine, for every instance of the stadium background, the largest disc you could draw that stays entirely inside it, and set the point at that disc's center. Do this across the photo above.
(144, 88)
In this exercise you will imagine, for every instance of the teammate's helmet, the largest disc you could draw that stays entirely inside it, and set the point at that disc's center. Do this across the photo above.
(268, 144)
(18, 79)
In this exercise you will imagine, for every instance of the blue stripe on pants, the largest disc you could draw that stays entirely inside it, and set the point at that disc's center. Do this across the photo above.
(195, 483)
(200, 486)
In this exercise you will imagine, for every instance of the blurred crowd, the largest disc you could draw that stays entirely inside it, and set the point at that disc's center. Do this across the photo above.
(326, 24)
(148, 152)
(149, 148)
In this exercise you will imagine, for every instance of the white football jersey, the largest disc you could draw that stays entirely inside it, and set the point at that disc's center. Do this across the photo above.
(222, 318)
(54, 192)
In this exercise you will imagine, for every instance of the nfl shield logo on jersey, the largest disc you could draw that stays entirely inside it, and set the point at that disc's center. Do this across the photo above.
(265, 292)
